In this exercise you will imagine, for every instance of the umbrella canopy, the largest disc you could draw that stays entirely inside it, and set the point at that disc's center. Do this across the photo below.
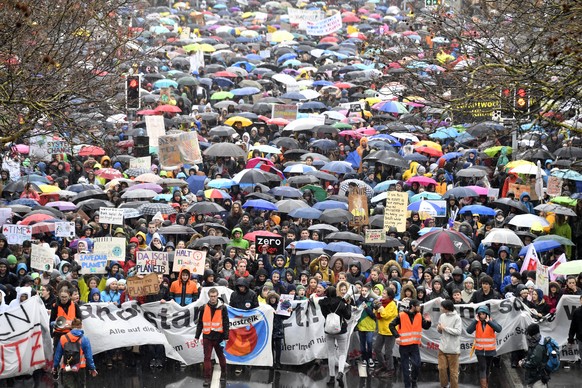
(330, 204)
(502, 236)
(426, 207)
(555, 208)
(252, 236)
(528, 220)
(335, 216)
(349, 258)
(308, 244)
(459, 192)
(288, 205)
(151, 209)
(286, 191)
(323, 227)
(306, 213)
(541, 246)
(139, 194)
(343, 247)
(478, 209)
(444, 241)
(555, 237)
(62, 205)
(225, 150)
(211, 241)
(573, 267)
(205, 207)
(506, 203)
(176, 230)
(260, 204)
(348, 236)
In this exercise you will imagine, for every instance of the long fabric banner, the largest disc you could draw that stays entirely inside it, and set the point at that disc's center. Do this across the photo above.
(325, 26)
(304, 16)
(25, 341)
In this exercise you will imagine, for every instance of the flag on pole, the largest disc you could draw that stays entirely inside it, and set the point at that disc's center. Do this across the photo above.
(531, 261)
(561, 260)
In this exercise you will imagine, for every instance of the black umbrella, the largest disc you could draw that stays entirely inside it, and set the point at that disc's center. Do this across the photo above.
(18, 186)
(93, 204)
(322, 175)
(176, 230)
(302, 180)
(256, 175)
(205, 207)
(444, 241)
(294, 154)
(460, 192)
(569, 152)
(506, 203)
(212, 225)
(347, 236)
(210, 240)
(225, 150)
(221, 130)
(334, 216)
(132, 204)
(89, 194)
(265, 196)
(485, 128)
(51, 211)
(536, 153)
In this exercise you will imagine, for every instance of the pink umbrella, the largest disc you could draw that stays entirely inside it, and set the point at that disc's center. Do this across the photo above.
(62, 205)
(252, 163)
(22, 148)
(350, 133)
(423, 180)
(479, 190)
(146, 186)
(367, 131)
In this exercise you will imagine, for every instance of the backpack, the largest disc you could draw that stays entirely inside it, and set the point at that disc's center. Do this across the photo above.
(72, 350)
(333, 323)
(552, 354)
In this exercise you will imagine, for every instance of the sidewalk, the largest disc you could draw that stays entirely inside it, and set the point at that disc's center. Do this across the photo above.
(569, 375)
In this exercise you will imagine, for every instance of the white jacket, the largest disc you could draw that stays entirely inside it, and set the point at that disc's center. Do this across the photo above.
(451, 333)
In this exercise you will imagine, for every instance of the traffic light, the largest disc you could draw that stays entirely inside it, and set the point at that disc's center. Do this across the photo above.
(428, 3)
(521, 99)
(132, 92)
(506, 99)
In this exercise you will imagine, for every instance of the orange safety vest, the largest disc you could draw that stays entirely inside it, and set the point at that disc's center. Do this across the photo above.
(72, 338)
(213, 323)
(410, 332)
(485, 339)
(69, 315)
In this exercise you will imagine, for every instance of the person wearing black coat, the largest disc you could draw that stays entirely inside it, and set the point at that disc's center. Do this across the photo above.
(575, 331)
(334, 304)
(278, 328)
(243, 297)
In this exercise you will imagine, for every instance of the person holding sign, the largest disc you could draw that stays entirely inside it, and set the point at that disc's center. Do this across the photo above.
(213, 327)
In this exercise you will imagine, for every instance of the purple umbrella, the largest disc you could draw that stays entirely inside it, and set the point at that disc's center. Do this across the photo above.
(147, 186)
(63, 205)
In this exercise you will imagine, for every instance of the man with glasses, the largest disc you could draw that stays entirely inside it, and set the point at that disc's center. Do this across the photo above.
(213, 327)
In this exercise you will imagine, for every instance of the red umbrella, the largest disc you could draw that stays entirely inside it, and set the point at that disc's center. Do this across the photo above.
(43, 227)
(109, 173)
(252, 163)
(429, 151)
(343, 85)
(444, 241)
(147, 112)
(252, 236)
(168, 108)
(329, 39)
(35, 218)
(125, 144)
(91, 151)
(278, 121)
(350, 19)
(226, 74)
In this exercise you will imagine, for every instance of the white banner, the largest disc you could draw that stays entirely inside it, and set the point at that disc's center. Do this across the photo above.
(304, 16)
(110, 215)
(25, 341)
(325, 26)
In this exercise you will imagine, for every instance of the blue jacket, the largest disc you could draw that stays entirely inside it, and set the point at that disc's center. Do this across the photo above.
(495, 271)
(111, 296)
(85, 346)
(528, 204)
(507, 278)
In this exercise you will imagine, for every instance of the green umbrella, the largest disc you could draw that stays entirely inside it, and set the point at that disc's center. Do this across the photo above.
(221, 95)
(339, 125)
(492, 151)
(556, 238)
(565, 201)
(318, 192)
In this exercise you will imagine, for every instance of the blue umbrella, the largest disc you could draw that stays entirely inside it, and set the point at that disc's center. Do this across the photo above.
(330, 204)
(444, 133)
(416, 157)
(478, 209)
(382, 145)
(292, 62)
(26, 202)
(253, 57)
(426, 206)
(245, 65)
(464, 137)
(165, 83)
(247, 91)
(451, 155)
(298, 169)
(286, 191)
(384, 186)
(338, 167)
(293, 96)
(223, 82)
(384, 136)
(325, 144)
(343, 247)
(541, 246)
(424, 231)
(306, 212)
(425, 195)
(568, 174)
(286, 57)
(260, 204)
(308, 244)
(322, 83)
(314, 105)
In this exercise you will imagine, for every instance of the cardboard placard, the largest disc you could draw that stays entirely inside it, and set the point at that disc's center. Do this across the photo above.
(518, 189)
(554, 186)
(358, 206)
(375, 236)
(110, 215)
(65, 229)
(152, 262)
(113, 247)
(92, 263)
(177, 150)
(155, 128)
(17, 234)
(142, 286)
(143, 162)
(395, 211)
(275, 245)
(42, 257)
(193, 260)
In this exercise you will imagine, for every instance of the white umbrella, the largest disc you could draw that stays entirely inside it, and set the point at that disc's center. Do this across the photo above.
(284, 79)
(503, 236)
(405, 136)
(527, 220)
(573, 267)
(300, 124)
(335, 115)
(310, 94)
(530, 169)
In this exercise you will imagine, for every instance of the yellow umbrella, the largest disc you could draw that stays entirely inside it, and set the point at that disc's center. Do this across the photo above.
(516, 163)
(249, 34)
(207, 48)
(430, 144)
(373, 100)
(282, 36)
(243, 120)
(247, 15)
(46, 189)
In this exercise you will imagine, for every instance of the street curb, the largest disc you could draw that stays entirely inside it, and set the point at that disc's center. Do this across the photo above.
(510, 375)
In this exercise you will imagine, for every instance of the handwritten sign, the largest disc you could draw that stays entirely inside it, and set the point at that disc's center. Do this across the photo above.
(56, 147)
(542, 278)
(302, 17)
(142, 286)
(284, 111)
(274, 245)
(554, 186)
(395, 210)
(113, 247)
(65, 229)
(111, 215)
(92, 263)
(325, 26)
(519, 189)
(358, 206)
(191, 259)
(375, 236)
(143, 162)
(155, 128)
(152, 262)
(17, 234)
(42, 257)
(176, 150)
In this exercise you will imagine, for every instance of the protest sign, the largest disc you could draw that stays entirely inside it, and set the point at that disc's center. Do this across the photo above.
(284, 111)
(113, 247)
(5, 215)
(375, 236)
(492, 193)
(143, 162)
(185, 33)
(142, 286)
(315, 118)
(358, 206)
(325, 26)
(395, 211)
(302, 17)
(25, 341)
(284, 306)
(191, 259)
(519, 189)
(155, 128)
(274, 245)
(57, 147)
(554, 186)
(92, 263)
(17, 234)
(152, 262)
(42, 257)
(176, 150)
(542, 278)
(110, 215)
(65, 229)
